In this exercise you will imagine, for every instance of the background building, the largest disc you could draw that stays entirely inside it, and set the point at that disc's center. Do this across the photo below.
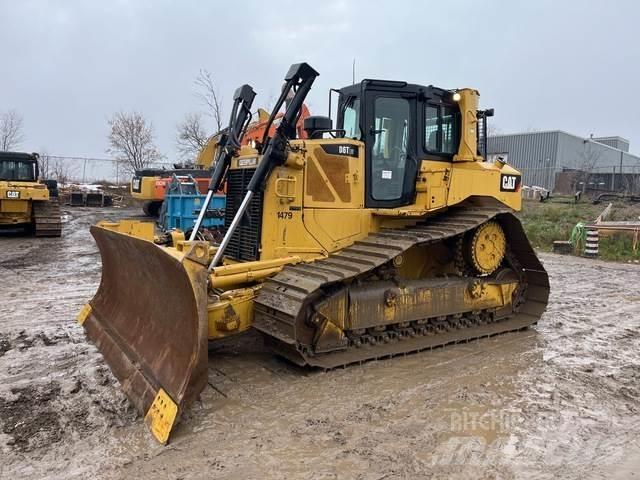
(556, 158)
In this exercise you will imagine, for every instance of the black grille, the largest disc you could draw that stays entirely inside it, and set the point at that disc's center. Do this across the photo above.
(245, 242)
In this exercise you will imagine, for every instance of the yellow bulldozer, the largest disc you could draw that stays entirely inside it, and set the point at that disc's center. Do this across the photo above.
(385, 235)
(26, 202)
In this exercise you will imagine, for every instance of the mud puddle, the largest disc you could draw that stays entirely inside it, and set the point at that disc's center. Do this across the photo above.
(561, 400)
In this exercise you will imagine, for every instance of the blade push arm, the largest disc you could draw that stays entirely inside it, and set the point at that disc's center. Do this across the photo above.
(228, 145)
(298, 81)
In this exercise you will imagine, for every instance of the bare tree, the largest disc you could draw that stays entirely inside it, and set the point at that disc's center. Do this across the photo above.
(210, 97)
(44, 164)
(55, 168)
(11, 134)
(61, 170)
(191, 136)
(631, 180)
(131, 141)
(585, 163)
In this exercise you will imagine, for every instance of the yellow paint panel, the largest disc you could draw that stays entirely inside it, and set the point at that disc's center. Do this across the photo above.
(135, 228)
(481, 179)
(27, 191)
(336, 228)
(84, 313)
(283, 229)
(468, 148)
(333, 181)
(161, 416)
(232, 313)
(14, 206)
(147, 189)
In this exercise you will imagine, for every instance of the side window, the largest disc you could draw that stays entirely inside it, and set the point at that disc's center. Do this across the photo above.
(449, 134)
(441, 129)
(8, 170)
(25, 171)
(431, 128)
(351, 119)
(390, 147)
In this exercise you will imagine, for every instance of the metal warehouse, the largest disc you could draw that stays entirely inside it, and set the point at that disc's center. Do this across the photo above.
(542, 155)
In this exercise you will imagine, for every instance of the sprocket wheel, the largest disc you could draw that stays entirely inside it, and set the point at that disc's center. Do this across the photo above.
(485, 248)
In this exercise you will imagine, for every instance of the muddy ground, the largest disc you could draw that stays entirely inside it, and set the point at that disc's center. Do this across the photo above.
(561, 400)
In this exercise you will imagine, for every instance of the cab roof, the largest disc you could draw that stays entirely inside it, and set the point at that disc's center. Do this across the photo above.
(395, 86)
(19, 156)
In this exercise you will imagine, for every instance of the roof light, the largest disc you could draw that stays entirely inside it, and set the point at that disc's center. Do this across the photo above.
(456, 97)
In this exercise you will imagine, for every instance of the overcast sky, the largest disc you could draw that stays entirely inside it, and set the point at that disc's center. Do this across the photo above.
(66, 66)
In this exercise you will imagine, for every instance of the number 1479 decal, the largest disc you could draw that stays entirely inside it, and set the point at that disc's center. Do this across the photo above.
(285, 215)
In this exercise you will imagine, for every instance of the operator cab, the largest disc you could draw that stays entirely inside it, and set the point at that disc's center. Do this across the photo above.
(20, 167)
(400, 124)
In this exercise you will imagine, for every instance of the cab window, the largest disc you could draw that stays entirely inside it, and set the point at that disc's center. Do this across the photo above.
(16, 170)
(441, 129)
(449, 133)
(389, 150)
(431, 128)
(351, 119)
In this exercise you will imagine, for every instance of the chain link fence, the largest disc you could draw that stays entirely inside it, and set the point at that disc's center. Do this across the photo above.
(88, 170)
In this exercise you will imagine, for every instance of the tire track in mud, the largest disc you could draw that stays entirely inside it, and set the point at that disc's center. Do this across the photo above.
(53, 384)
(559, 400)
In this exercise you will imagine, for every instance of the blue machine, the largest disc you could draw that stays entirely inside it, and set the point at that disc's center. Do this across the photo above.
(182, 204)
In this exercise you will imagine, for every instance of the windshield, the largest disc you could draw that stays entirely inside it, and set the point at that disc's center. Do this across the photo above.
(17, 170)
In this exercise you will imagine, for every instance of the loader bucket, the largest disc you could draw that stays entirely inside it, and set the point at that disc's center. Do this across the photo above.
(149, 321)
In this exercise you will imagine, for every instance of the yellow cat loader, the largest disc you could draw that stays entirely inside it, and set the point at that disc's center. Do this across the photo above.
(26, 202)
(386, 235)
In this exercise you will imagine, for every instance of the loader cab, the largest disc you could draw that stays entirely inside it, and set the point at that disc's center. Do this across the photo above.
(18, 167)
(400, 124)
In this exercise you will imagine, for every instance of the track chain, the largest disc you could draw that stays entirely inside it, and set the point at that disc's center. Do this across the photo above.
(47, 218)
(284, 300)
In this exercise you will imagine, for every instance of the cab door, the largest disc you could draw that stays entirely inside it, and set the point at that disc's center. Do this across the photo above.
(390, 163)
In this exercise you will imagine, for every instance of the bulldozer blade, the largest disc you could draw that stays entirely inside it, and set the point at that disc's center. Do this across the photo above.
(149, 321)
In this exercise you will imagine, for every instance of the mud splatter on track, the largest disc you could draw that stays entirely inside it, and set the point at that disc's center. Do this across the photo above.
(561, 400)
